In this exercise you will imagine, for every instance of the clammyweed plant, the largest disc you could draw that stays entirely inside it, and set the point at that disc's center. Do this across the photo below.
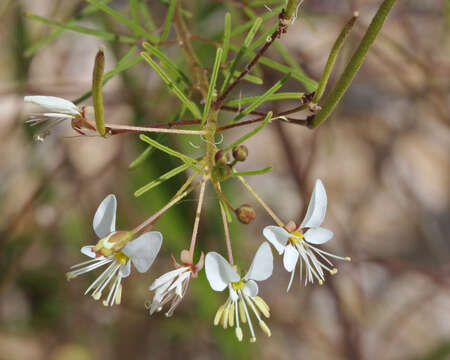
(203, 95)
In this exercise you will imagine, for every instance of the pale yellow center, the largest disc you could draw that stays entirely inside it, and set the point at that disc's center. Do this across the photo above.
(121, 257)
(298, 236)
(238, 285)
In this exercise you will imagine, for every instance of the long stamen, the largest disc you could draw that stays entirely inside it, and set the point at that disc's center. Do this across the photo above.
(238, 330)
(118, 293)
(98, 292)
(99, 278)
(309, 267)
(84, 263)
(111, 291)
(291, 279)
(75, 273)
(261, 322)
(250, 325)
(346, 258)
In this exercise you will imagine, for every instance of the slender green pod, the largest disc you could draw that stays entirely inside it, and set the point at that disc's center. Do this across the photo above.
(97, 91)
(354, 64)
(333, 56)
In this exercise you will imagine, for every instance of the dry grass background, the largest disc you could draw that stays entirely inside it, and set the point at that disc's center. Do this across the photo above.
(383, 157)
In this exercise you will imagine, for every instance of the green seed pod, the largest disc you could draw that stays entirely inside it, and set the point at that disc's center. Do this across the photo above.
(240, 153)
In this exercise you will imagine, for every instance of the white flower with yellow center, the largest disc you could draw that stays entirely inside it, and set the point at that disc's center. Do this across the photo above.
(59, 110)
(115, 249)
(299, 244)
(243, 290)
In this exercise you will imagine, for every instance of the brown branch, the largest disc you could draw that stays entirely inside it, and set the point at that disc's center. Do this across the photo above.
(281, 29)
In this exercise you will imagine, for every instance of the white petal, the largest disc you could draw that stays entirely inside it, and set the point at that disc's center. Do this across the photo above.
(290, 258)
(233, 294)
(125, 270)
(317, 207)
(177, 284)
(262, 265)
(167, 277)
(277, 236)
(251, 288)
(219, 272)
(318, 235)
(143, 250)
(87, 250)
(58, 116)
(54, 104)
(105, 217)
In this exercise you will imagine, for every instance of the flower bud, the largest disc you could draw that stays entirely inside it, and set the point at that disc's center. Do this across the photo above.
(221, 173)
(222, 158)
(240, 153)
(245, 214)
(112, 243)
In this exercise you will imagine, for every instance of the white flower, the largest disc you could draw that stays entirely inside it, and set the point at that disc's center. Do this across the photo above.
(298, 244)
(172, 286)
(141, 252)
(243, 290)
(59, 110)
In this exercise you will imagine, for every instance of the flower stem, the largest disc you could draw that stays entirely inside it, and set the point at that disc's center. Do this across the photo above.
(197, 215)
(354, 64)
(128, 128)
(227, 234)
(261, 201)
(158, 214)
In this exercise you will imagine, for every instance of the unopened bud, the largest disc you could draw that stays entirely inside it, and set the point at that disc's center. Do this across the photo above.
(220, 173)
(222, 158)
(245, 213)
(112, 243)
(240, 153)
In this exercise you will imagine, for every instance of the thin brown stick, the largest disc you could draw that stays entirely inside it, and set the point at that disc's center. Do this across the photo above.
(281, 29)
(227, 234)
(197, 216)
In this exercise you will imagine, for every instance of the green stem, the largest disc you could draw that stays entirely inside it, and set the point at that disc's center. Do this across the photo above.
(332, 58)
(354, 64)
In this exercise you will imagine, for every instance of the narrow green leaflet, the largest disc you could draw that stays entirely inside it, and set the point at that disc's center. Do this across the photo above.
(161, 179)
(308, 83)
(226, 37)
(80, 29)
(172, 86)
(279, 96)
(212, 84)
(168, 21)
(252, 172)
(242, 28)
(136, 28)
(187, 159)
(287, 57)
(242, 51)
(147, 16)
(260, 99)
(87, 11)
(168, 63)
(251, 133)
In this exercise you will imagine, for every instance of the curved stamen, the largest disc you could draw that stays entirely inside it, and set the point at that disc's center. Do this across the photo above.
(250, 325)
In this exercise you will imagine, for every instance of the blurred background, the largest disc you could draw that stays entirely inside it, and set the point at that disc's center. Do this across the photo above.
(383, 157)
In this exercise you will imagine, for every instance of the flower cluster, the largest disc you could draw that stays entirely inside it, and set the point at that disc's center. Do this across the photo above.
(120, 249)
